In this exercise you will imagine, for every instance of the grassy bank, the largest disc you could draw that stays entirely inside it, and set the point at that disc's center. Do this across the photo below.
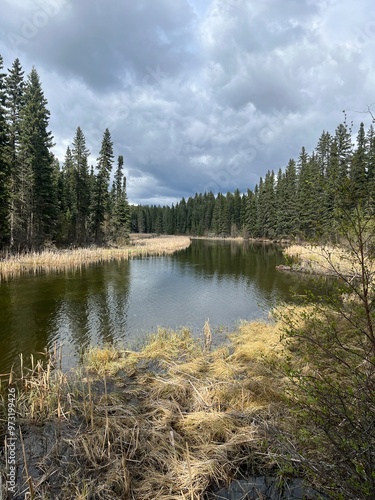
(57, 260)
(322, 259)
(172, 421)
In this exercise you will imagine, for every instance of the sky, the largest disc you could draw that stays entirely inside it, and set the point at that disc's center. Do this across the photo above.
(199, 95)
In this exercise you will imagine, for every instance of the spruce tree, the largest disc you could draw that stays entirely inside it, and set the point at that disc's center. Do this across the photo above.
(39, 215)
(269, 205)
(69, 199)
(304, 194)
(251, 212)
(181, 217)
(322, 152)
(220, 216)
(370, 162)
(358, 169)
(291, 210)
(235, 213)
(15, 87)
(100, 196)
(4, 165)
(80, 154)
(120, 216)
(344, 150)
(209, 203)
(266, 206)
(281, 203)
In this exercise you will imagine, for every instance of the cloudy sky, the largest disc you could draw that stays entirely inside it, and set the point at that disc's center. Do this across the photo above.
(198, 95)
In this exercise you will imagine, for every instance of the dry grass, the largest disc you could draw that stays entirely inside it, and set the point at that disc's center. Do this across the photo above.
(57, 260)
(170, 421)
(324, 260)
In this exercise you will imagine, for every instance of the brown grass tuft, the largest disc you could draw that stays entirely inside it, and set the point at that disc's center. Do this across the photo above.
(168, 422)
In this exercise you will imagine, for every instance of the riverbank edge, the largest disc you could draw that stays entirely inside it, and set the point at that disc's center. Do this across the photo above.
(61, 260)
(242, 239)
(320, 260)
(192, 416)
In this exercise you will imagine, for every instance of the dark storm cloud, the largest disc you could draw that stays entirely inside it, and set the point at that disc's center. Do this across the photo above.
(198, 94)
(104, 43)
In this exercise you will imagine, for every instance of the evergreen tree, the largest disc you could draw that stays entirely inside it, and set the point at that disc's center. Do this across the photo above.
(260, 209)
(220, 216)
(331, 194)
(235, 211)
(209, 203)
(306, 205)
(69, 199)
(269, 205)
(251, 212)
(39, 215)
(370, 162)
(181, 217)
(15, 99)
(120, 220)
(291, 211)
(281, 203)
(4, 165)
(323, 152)
(100, 193)
(344, 150)
(80, 154)
(358, 169)
(141, 220)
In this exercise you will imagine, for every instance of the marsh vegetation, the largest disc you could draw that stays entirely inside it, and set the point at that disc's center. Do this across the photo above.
(12, 265)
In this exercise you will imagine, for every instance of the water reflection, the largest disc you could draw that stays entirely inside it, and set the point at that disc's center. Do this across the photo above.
(122, 301)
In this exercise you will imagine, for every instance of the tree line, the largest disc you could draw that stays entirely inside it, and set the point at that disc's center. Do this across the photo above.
(302, 201)
(42, 203)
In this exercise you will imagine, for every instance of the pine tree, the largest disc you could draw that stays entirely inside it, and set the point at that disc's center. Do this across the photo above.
(80, 154)
(181, 217)
(358, 169)
(281, 203)
(100, 194)
(291, 211)
(120, 216)
(344, 149)
(370, 162)
(236, 213)
(37, 164)
(209, 203)
(15, 87)
(4, 165)
(141, 220)
(251, 212)
(322, 152)
(269, 205)
(220, 216)
(69, 199)
(303, 193)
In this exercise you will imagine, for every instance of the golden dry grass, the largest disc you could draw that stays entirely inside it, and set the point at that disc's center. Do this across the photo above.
(168, 422)
(323, 260)
(57, 260)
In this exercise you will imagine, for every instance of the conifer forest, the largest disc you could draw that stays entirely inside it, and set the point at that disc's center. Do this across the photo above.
(43, 203)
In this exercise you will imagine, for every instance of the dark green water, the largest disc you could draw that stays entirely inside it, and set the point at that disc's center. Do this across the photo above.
(122, 302)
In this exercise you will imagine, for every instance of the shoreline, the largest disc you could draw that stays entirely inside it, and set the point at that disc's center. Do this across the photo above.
(241, 239)
(321, 260)
(65, 260)
(189, 414)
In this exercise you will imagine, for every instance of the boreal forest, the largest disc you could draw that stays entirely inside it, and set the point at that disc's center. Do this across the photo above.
(43, 203)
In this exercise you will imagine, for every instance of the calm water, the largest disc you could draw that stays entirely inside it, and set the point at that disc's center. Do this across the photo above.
(122, 302)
